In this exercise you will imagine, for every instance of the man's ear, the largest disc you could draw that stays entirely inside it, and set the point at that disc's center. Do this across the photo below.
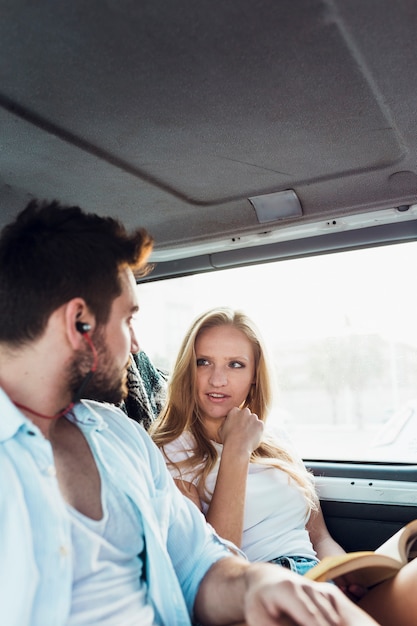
(78, 321)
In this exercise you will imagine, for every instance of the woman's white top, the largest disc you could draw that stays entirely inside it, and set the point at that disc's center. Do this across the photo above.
(275, 512)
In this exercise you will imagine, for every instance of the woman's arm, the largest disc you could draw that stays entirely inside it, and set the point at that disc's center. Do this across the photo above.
(321, 539)
(240, 434)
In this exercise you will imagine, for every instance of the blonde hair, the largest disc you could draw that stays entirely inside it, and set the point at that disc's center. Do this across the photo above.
(181, 412)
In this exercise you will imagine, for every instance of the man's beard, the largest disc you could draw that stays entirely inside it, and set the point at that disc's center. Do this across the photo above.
(107, 384)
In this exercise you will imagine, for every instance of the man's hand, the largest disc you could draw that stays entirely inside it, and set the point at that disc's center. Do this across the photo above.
(282, 597)
(261, 594)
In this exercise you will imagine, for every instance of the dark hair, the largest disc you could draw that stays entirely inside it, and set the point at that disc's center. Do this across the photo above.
(51, 254)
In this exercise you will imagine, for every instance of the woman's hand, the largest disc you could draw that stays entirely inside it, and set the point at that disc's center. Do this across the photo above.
(241, 431)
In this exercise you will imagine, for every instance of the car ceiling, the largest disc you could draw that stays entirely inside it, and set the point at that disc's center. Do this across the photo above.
(171, 114)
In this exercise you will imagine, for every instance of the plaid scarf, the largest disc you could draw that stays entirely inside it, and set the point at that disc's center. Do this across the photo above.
(146, 390)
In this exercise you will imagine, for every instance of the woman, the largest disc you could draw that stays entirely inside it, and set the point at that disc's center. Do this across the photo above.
(252, 489)
(249, 485)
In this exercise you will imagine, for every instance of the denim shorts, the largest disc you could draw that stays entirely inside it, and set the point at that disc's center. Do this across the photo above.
(298, 564)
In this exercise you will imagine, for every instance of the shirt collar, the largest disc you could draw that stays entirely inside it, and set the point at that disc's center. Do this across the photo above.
(84, 414)
(12, 419)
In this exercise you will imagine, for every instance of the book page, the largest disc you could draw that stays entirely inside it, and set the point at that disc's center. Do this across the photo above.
(362, 568)
(402, 546)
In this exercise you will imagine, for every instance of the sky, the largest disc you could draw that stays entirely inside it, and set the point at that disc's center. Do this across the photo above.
(363, 291)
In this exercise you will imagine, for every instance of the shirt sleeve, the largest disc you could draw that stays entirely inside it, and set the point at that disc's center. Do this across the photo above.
(192, 543)
(178, 529)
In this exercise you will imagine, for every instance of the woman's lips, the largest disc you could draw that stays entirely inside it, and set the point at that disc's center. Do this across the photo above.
(216, 397)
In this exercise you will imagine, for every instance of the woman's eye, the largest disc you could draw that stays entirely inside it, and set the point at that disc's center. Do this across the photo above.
(201, 362)
(236, 364)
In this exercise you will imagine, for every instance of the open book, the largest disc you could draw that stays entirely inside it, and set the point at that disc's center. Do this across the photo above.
(370, 568)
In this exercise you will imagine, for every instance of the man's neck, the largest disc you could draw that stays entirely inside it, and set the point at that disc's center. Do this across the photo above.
(45, 423)
(34, 384)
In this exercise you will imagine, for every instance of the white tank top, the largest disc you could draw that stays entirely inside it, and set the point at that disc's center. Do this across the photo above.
(107, 584)
(275, 515)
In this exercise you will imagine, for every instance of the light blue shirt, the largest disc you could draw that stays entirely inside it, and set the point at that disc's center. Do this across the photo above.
(35, 534)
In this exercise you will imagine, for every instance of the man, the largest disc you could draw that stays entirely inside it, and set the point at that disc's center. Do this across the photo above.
(92, 528)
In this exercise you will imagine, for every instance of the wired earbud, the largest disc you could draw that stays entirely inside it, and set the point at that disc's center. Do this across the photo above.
(82, 327)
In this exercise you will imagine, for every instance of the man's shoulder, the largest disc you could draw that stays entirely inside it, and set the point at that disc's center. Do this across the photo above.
(101, 416)
(108, 422)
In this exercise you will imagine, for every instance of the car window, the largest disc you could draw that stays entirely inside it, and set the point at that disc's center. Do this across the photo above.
(341, 331)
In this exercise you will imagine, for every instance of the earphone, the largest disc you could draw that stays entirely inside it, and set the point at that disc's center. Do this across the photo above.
(82, 327)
